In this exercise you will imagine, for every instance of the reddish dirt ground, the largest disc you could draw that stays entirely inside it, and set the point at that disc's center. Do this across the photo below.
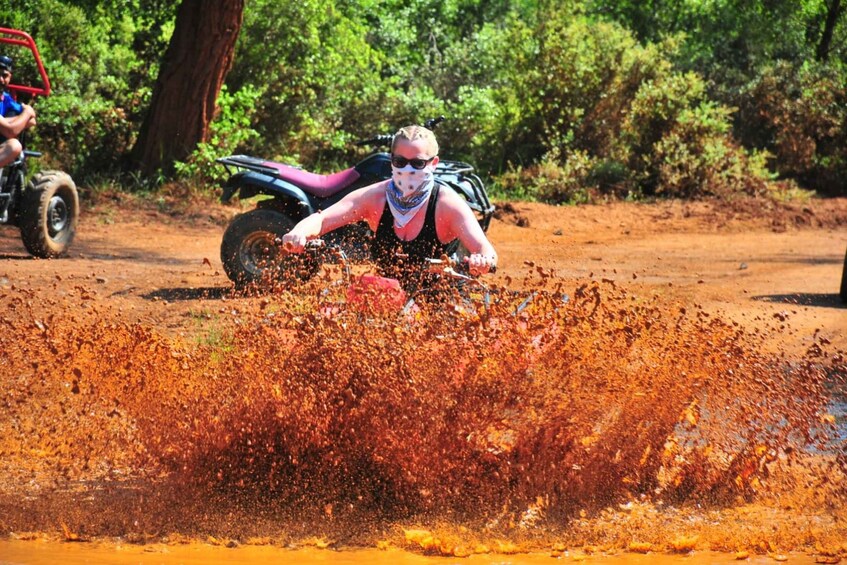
(766, 266)
(751, 261)
(746, 260)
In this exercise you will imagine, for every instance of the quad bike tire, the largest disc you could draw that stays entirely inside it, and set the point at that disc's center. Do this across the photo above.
(252, 255)
(844, 282)
(49, 214)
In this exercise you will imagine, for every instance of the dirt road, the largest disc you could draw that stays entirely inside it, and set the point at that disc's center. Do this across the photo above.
(746, 261)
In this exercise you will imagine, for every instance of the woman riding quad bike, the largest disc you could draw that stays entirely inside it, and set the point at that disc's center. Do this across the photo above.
(251, 252)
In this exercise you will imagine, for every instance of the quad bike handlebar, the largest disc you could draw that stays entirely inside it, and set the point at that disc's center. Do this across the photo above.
(382, 293)
(440, 266)
(387, 139)
(447, 267)
(377, 141)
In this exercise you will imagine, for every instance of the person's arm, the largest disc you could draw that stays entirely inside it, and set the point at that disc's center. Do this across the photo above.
(12, 127)
(455, 219)
(31, 122)
(363, 204)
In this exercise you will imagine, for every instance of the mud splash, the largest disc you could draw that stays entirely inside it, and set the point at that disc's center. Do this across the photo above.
(602, 422)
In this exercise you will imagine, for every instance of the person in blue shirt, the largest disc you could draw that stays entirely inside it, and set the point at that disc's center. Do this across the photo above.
(14, 116)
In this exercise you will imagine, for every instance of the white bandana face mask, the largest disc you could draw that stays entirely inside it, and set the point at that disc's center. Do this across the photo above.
(409, 180)
(408, 191)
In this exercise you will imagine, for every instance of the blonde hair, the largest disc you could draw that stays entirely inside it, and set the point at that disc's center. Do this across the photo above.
(417, 133)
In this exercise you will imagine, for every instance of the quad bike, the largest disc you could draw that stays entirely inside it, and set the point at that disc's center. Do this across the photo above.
(46, 208)
(372, 293)
(452, 284)
(250, 250)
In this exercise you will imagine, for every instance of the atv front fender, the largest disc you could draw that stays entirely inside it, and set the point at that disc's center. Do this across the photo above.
(250, 183)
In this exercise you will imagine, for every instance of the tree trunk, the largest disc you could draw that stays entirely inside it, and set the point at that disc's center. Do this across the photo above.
(832, 13)
(193, 70)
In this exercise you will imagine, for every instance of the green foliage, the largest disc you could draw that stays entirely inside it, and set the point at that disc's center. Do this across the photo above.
(604, 115)
(569, 183)
(318, 76)
(727, 37)
(99, 84)
(757, 55)
(230, 132)
(564, 102)
(610, 177)
(697, 159)
(799, 113)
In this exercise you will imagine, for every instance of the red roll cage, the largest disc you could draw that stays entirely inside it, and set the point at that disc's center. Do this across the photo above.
(23, 39)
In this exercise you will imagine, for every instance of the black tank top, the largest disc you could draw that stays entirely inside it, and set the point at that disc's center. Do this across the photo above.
(406, 260)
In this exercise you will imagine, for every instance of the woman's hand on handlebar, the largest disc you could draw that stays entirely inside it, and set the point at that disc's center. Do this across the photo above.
(479, 264)
(294, 243)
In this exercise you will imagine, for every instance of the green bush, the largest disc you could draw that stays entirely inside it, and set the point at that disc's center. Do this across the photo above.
(230, 132)
(692, 161)
(799, 114)
(610, 178)
(653, 111)
(614, 118)
(551, 181)
(99, 84)
(318, 77)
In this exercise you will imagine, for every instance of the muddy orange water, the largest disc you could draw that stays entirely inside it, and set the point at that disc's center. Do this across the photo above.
(685, 396)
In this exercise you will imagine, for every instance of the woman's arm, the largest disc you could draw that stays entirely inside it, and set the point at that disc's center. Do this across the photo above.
(455, 219)
(363, 204)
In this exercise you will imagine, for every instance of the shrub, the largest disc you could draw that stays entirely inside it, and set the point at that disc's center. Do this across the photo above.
(98, 81)
(230, 132)
(611, 177)
(708, 167)
(697, 158)
(799, 114)
(623, 120)
(550, 181)
(318, 75)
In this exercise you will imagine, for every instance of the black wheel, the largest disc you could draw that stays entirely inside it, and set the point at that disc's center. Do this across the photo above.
(844, 281)
(48, 214)
(251, 253)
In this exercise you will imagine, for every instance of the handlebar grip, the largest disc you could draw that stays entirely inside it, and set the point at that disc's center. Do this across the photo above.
(432, 122)
(311, 245)
(439, 264)
(465, 261)
(378, 140)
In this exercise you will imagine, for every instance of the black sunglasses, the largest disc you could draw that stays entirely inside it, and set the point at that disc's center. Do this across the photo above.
(401, 162)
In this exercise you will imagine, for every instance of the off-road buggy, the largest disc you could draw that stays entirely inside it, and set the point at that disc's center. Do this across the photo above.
(45, 207)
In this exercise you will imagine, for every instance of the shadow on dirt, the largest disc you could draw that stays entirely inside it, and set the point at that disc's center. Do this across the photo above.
(789, 259)
(823, 300)
(198, 293)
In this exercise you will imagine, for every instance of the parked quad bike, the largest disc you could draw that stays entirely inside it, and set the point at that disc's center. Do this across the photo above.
(250, 250)
(46, 208)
